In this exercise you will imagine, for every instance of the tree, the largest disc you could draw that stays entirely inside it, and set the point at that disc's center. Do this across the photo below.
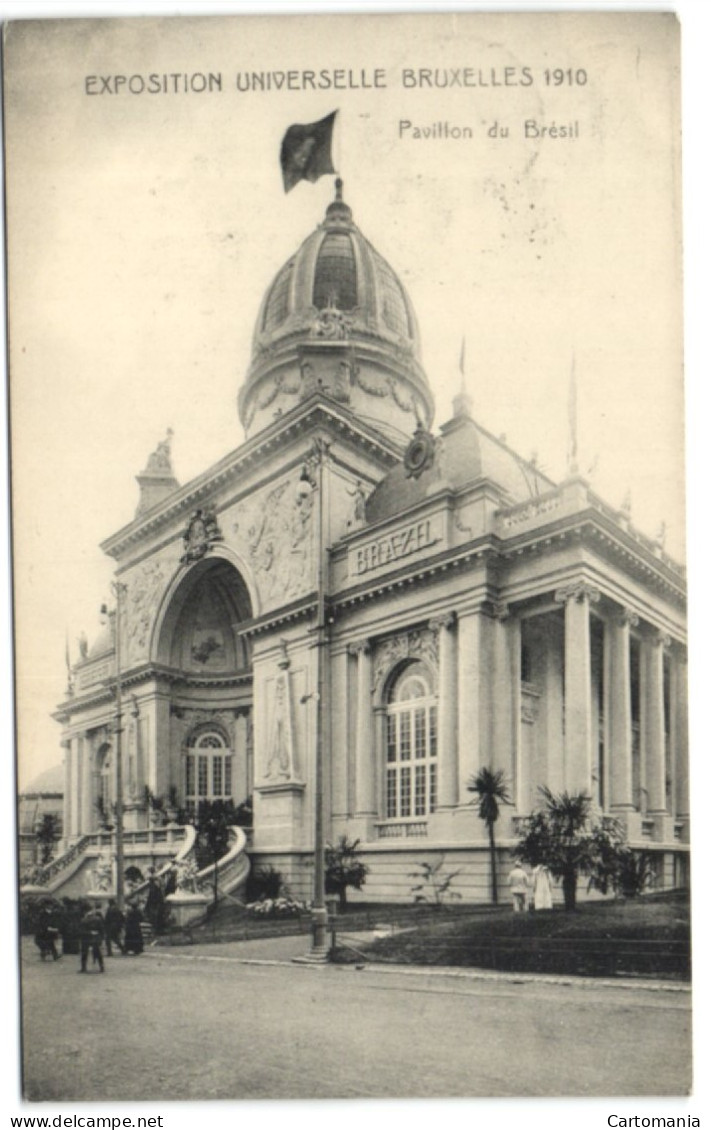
(491, 790)
(47, 834)
(214, 820)
(344, 869)
(563, 836)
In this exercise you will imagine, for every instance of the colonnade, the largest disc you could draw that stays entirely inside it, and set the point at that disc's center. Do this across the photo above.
(482, 714)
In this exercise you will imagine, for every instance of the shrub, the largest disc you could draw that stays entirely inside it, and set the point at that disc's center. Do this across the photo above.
(634, 872)
(434, 886)
(244, 813)
(282, 907)
(265, 883)
(133, 875)
(344, 869)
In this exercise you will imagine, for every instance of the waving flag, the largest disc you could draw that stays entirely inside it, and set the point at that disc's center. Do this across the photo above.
(306, 151)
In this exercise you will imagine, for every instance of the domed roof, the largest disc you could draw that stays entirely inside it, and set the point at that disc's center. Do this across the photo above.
(336, 267)
(46, 782)
(337, 289)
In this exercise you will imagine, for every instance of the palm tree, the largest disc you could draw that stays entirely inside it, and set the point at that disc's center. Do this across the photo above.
(560, 836)
(491, 790)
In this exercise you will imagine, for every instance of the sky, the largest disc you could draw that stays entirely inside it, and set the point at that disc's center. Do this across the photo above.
(144, 229)
(146, 233)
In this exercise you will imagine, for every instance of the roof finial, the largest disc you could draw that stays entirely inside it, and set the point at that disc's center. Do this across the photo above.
(338, 211)
(462, 403)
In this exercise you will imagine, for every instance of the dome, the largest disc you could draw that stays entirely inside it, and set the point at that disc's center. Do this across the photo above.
(337, 319)
(48, 782)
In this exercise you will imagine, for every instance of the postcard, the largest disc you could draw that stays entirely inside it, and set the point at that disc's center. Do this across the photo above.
(348, 515)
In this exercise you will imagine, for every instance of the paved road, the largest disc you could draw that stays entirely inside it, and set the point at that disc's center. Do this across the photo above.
(200, 1023)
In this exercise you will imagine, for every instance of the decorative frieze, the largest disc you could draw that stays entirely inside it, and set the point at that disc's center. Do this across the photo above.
(420, 644)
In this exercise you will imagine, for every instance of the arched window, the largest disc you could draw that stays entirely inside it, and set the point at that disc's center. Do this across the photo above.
(208, 768)
(411, 745)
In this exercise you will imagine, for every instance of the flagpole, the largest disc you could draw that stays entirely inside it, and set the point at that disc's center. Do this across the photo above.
(573, 421)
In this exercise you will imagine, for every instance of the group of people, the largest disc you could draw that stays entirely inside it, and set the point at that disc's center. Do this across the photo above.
(111, 929)
(114, 928)
(530, 892)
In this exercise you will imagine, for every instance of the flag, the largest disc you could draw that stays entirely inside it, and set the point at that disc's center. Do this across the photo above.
(306, 151)
(462, 356)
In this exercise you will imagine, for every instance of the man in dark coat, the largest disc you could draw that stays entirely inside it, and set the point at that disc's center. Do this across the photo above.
(133, 937)
(47, 933)
(113, 925)
(92, 934)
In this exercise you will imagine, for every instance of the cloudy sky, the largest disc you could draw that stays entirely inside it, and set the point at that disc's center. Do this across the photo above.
(144, 229)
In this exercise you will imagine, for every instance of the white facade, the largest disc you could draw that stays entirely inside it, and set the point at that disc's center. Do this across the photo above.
(467, 610)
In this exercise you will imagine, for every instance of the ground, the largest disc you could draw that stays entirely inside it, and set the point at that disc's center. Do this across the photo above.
(238, 1021)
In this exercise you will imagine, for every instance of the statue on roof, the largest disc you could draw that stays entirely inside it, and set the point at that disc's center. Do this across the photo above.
(159, 461)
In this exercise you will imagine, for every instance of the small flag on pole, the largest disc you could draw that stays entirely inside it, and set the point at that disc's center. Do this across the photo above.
(306, 151)
(462, 357)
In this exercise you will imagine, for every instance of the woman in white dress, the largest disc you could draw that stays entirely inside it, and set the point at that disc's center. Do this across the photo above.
(542, 893)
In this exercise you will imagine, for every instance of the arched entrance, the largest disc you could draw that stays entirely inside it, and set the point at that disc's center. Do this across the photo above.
(203, 743)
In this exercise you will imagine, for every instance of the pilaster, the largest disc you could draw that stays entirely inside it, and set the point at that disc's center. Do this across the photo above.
(447, 755)
(681, 707)
(365, 783)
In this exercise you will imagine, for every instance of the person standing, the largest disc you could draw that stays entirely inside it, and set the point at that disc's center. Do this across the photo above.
(47, 933)
(113, 925)
(542, 891)
(92, 934)
(133, 936)
(518, 882)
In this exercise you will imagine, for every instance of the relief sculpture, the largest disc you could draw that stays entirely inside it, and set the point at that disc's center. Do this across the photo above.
(280, 753)
(422, 643)
(145, 589)
(278, 535)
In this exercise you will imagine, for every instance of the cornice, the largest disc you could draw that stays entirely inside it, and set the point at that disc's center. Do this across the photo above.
(319, 410)
(591, 525)
(105, 692)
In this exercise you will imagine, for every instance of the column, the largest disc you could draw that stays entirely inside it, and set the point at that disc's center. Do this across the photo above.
(87, 817)
(655, 769)
(519, 778)
(577, 598)
(680, 708)
(468, 698)
(621, 798)
(67, 805)
(447, 756)
(364, 758)
(504, 700)
(76, 788)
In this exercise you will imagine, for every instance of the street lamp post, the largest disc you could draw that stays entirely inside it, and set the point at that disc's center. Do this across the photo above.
(119, 590)
(312, 476)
